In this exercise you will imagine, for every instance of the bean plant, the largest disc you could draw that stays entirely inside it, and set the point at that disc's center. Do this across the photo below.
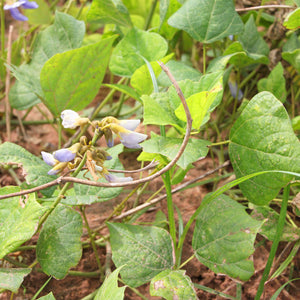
(183, 81)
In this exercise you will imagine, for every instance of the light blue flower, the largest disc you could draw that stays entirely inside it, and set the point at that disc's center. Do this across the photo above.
(235, 91)
(112, 178)
(129, 124)
(51, 161)
(12, 6)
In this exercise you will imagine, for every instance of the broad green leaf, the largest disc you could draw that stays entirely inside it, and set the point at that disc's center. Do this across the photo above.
(173, 284)
(109, 12)
(207, 21)
(124, 89)
(85, 194)
(219, 63)
(292, 43)
(141, 79)
(59, 247)
(159, 109)
(47, 297)
(268, 229)
(293, 58)
(224, 236)
(72, 79)
(136, 45)
(40, 15)
(274, 83)
(11, 279)
(109, 290)
(180, 71)
(262, 138)
(292, 20)
(169, 147)
(65, 34)
(199, 105)
(145, 251)
(18, 220)
(34, 169)
(166, 9)
(252, 44)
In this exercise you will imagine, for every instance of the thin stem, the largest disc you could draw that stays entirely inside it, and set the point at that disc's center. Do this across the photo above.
(212, 291)
(59, 131)
(39, 291)
(172, 226)
(7, 84)
(83, 2)
(219, 143)
(238, 291)
(150, 16)
(184, 263)
(92, 241)
(2, 30)
(279, 229)
(134, 290)
(204, 59)
(263, 7)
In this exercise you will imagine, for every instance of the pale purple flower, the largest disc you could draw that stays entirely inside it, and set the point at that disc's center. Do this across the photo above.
(64, 155)
(112, 178)
(12, 6)
(48, 158)
(233, 86)
(129, 124)
(53, 171)
(70, 119)
(131, 139)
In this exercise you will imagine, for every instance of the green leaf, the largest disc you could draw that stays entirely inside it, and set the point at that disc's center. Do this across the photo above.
(11, 279)
(85, 194)
(18, 220)
(34, 169)
(224, 236)
(40, 15)
(47, 297)
(65, 34)
(145, 251)
(136, 45)
(172, 284)
(180, 71)
(109, 290)
(124, 89)
(293, 58)
(296, 123)
(109, 12)
(201, 19)
(269, 227)
(166, 9)
(159, 109)
(292, 20)
(72, 79)
(262, 139)
(169, 147)
(141, 79)
(274, 83)
(59, 247)
(199, 104)
(252, 44)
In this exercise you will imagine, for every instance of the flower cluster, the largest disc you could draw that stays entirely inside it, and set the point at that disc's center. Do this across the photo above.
(13, 6)
(95, 156)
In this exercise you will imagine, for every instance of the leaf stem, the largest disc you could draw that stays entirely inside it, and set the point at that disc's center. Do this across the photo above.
(204, 59)
(279, 229)
(150, 16)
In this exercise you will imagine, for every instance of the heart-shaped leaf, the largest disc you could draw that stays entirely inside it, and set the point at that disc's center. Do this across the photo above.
(262, 139)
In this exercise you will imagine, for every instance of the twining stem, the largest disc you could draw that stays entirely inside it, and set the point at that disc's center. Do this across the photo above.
(279, 229)
(82, 208)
